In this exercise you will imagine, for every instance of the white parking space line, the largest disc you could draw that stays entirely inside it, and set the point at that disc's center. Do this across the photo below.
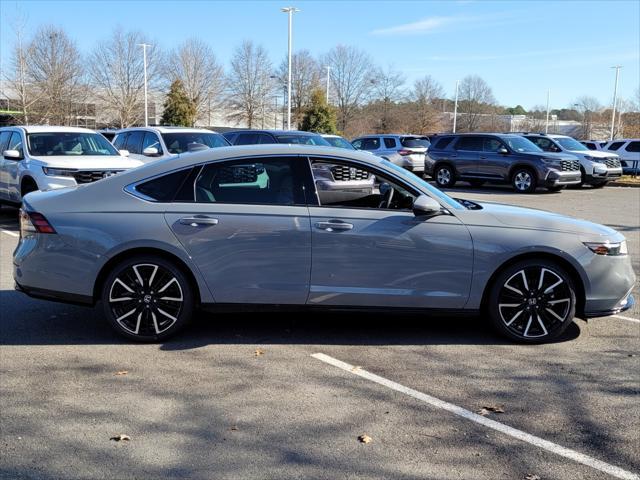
(628, 319)
(500, 427)
(13, 234)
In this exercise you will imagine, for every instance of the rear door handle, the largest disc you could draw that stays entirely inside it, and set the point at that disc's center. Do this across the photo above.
(198, 220)
(334, 226)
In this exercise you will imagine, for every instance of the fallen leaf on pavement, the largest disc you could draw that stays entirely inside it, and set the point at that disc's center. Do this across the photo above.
(531, 476)
(122, 372)
(364, 438)
(487, 409)
(121, 437)
(258, 352)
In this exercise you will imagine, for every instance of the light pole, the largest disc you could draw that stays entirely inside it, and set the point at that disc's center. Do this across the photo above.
(290, 11)
(328, 68)
(146, 102)
(615, 100)
(546, 125)
(455, 107)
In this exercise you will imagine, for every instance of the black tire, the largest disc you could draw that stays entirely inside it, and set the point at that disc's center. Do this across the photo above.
(444, 175)
(524, 180)
(28, 185)
(550, 308)
(145, 316)
(557, 188)
(599, 185)
(476, 183)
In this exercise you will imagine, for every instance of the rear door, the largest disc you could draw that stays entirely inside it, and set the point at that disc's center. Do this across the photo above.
(248, 230)
(4, 141)
(467, 155)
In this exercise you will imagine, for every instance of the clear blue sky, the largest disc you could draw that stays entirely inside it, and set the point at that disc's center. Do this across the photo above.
(520, 48)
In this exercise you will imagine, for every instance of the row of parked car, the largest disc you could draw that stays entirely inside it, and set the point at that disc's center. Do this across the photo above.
(46, 157)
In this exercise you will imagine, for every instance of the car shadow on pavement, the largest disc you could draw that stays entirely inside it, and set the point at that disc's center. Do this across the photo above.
(25, 321)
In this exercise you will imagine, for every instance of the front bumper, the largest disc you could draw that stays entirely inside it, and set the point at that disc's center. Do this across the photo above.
(557, 178)
(606, 175)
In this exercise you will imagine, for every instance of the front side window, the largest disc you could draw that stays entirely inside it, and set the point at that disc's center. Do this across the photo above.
(134, 141)
(473, 144)
(120, 141)
(492, 144)
(633, 147)
(182, 142)
(151, 140)
(370, 144)
(262, 181)
(47, 144)
(390, 142)
(15, 143)
(615, 146)
(520, 144)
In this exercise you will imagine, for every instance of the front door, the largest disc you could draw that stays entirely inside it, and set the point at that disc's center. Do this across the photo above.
(371, 250)
(248, 231)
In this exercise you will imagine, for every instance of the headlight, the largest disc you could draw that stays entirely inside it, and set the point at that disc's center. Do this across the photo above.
(588, 157)
(549, 160)
(600, 160)
(607, 248)
(59, 172)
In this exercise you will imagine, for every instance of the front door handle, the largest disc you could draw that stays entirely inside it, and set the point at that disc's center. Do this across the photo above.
(483, 158)
(198, 220)
(334, 226)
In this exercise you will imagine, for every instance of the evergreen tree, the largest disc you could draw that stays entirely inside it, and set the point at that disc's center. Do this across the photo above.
(319, 117)
(178, 109)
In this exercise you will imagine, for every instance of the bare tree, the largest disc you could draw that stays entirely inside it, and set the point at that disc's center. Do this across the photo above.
(305, 78)
(475, 99)
(589, 108)
(249, 84)
(350, 75)
(386, 90)
(55, 70)
(116, 69)
(427, 94)
(195, 64)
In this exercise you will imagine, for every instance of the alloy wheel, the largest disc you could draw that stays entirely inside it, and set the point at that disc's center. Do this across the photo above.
(522, 181)
(145, 299)
(534, 301)
(444, 176)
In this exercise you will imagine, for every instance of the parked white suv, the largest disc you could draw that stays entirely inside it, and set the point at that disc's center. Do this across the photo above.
(149, 144)
(597, 167)
(43, 158)
(628, 149)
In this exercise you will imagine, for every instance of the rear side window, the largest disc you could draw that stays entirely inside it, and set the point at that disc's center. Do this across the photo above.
(246, 139)
(443, 143)
(370, 144)
(633, 147)
(473, 144)
(390, 142)
(134, 141)
(415, 142)
(165, 188)
(615, 146)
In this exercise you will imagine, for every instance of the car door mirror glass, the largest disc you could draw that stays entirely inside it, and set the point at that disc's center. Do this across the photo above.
(150, 151)
(503, 150)
(425, 205)
(12, 155)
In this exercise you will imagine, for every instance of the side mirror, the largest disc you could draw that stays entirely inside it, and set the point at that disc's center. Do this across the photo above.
(503, 151)
(425, 205)
(12, 155)
(124, 153)
(150, 152)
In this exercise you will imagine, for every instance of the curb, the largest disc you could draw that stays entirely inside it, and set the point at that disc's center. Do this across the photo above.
(624, 184)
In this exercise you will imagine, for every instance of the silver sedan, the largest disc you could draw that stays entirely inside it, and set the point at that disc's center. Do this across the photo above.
(246, 226)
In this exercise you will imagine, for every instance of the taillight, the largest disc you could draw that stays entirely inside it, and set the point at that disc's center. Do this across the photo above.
(405, 152)
(34, 222)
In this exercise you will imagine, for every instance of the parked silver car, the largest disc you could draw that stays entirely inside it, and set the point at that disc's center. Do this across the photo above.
(406, 151)
(245, 226)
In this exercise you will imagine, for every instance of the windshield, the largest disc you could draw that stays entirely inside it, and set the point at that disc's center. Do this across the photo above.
(569, 143)
(446, 199)
(303, 139)
(521, 144)
(339, 142)
(48, 144)
(415, 142)
(181, 142)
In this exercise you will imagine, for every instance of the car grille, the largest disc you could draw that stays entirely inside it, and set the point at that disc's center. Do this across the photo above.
(570, 165)
(238, 174)
(343, 173)
(612, 163)
(93, 176)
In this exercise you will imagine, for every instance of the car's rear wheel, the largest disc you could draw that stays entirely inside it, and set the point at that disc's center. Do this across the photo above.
(532, 301)
(147, 298)
(524, 181)
(445, 176)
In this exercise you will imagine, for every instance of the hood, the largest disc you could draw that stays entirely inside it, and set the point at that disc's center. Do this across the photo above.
(541, 220)
(596, 153)
(89, 162)
(554, 155)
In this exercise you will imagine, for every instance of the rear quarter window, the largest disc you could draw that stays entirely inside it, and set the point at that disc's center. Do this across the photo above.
(615, 146)
(443, 143)
(167, 187)
(633, 147)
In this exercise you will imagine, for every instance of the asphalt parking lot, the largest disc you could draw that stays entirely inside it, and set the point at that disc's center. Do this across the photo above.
(247, 395)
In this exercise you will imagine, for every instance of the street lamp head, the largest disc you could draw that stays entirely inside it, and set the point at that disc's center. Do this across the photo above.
(290, 9)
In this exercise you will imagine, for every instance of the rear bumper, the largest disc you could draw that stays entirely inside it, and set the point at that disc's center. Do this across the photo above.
(55, 296)
(624, 305)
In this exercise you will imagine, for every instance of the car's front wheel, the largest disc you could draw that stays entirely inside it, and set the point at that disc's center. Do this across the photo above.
(147, 298)
(524, 181)
(532, 301)
(445, 176)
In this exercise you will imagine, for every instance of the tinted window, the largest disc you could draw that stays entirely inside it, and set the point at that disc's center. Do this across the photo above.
(246, 139)
(615, 145)
(520, 144)
(151, 140)
(339, 142)
(390, 142)
(263, 138)
(134, 141)
(370, 144)
(590, 146)
(120, 141)
(164, 189)
(303, 139)
(473, 144)
(4, 139)
(543, 143)
(571, 144)
(264, 181)
(633, 147)
(181, 142)
(15, 143)
(230, 136)
(69, 143)
(357, 144)
(492, 144)
(415, 142)
(443, 143)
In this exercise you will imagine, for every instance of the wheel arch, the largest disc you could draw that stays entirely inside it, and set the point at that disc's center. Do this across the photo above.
(448, 163)
(526, 166)
(136, 251)
(26, 179)
(562, 262)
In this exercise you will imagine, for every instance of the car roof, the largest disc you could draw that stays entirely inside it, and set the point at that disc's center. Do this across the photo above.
(374, 135)
(273, 132)
(53, 128)
(168, 129)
